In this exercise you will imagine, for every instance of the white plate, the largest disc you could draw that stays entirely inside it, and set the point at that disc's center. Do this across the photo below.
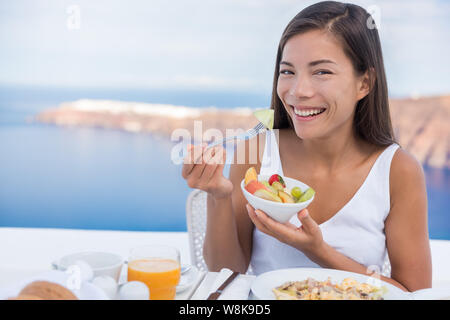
(87, 290)
(264, 283)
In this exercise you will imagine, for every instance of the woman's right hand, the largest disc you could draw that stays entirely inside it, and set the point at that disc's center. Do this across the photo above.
(203, 169)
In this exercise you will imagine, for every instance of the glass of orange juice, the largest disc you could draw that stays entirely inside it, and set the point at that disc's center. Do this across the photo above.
(158, 266)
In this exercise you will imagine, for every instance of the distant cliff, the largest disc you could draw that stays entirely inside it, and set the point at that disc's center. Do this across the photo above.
(420, 125)
(161, 119)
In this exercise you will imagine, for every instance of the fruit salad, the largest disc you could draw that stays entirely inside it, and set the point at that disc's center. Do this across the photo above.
(274, 189)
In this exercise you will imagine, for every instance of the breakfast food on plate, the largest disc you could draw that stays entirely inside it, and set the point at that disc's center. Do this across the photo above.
(266, 117)
(310, 289)
(44, 290)
(274, 189)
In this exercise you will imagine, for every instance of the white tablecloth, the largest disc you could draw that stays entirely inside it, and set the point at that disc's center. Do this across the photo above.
(27, 252)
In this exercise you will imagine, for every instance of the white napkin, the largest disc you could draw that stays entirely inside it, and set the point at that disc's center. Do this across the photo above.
(238, 289)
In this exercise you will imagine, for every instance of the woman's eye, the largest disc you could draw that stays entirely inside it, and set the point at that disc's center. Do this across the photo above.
(322, 72)
(285, 72)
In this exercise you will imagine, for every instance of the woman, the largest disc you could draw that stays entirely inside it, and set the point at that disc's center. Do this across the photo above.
(331, 108)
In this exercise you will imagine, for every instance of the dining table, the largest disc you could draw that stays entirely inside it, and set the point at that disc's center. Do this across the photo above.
(29, 252)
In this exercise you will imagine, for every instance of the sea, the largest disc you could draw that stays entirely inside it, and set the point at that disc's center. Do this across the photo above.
(91, 178)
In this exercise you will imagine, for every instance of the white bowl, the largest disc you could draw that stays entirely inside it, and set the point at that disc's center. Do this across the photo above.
(281, 212)
(102, 263)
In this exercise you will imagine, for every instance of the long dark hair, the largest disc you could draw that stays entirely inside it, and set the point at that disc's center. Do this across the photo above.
(349, 23)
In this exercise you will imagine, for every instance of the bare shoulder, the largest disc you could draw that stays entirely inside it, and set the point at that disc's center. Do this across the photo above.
(407, 177)
(406, 226)
(405, 165)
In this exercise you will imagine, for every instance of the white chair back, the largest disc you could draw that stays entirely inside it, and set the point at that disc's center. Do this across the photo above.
(196, 225)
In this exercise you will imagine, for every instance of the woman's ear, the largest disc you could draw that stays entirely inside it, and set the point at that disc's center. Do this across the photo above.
(366, 83)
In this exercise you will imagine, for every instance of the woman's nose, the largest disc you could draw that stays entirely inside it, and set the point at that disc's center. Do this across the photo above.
(302, 88)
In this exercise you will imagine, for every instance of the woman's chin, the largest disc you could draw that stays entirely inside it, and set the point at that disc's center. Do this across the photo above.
(311, 129)
(307, 134)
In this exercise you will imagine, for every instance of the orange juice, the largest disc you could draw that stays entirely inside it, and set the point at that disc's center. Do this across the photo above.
(160, 275)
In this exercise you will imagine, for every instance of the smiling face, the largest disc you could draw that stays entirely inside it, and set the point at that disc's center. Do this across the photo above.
(318, 85)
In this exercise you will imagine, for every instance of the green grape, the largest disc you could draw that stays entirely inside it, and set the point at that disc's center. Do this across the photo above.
(296, 192)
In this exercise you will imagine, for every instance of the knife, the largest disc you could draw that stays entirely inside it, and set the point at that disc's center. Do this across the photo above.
(218, 292)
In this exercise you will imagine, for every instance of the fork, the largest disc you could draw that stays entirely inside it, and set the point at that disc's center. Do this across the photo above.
(250, 133)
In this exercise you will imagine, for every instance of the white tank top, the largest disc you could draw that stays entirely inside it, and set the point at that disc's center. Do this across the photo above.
(356, 230)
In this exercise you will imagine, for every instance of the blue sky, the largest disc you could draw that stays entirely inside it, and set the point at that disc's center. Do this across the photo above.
(218, 45)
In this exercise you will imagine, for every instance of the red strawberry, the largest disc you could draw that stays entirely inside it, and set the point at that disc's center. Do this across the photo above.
(277, 177)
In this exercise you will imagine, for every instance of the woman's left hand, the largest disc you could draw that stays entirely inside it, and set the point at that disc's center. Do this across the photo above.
(306, 238)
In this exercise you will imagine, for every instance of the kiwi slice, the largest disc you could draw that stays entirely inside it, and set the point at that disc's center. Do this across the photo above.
(308, 194)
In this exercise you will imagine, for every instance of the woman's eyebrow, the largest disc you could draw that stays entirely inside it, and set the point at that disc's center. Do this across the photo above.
(316, 62)
(311, 64)
(287, 63)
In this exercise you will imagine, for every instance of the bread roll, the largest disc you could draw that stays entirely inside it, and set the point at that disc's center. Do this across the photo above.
(26, 297)
(47, 291)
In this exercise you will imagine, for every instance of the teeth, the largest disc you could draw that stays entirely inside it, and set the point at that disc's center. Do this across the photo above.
(306, 113)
